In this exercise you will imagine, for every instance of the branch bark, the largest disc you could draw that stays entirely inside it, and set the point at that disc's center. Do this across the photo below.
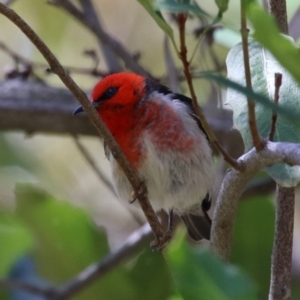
(102, 36)
(283, 245)
(34, 107)
(235, 183)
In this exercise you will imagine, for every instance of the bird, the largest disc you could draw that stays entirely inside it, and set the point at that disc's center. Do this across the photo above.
(163, 139)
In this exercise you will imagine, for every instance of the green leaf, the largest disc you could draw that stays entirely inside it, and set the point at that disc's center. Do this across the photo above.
(159, 19)
(152, 276)
(178, 7)
(257, 97)
(263, 67)
(222, 5)
(66, 242)
(16, 240)
(253, 240)
(201, 275)
(282, 47)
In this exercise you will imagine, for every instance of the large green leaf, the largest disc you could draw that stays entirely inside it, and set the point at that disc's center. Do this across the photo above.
(201, 275)
(267, 33)
(263, 68)
(253, 240)
(66, 242)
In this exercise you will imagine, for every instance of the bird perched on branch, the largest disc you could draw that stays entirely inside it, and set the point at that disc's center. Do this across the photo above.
(165, 143)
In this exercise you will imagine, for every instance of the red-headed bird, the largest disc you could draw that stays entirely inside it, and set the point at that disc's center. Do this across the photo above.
(165, 143)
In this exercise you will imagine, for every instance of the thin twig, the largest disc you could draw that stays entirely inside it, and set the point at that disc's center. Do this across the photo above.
(110, 57)
(102, 35)
(93, 164)
(23, 60)
(278, 82)
(183, 56)
(258, 142)
(137, 183)
(283, 245)
(235, 183)
(133, 245)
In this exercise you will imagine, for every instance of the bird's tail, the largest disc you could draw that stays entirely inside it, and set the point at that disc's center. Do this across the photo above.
(198, 227)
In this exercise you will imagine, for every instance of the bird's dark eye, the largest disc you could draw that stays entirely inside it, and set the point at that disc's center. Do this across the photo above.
(109, 93)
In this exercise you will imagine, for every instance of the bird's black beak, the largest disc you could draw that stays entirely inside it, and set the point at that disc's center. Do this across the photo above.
(78, 110)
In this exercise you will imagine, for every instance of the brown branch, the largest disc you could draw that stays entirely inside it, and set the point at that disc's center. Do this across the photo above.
(183, 56)
(23, 60)
(34, 107)
(258, 142)
(93, 165)
(111, 58)
(134, 179)
(281, 263)
(283, 245)
(278, 82)
(102, 35)
(277, 8)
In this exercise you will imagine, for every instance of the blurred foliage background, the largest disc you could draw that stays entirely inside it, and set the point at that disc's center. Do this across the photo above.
(57, 217)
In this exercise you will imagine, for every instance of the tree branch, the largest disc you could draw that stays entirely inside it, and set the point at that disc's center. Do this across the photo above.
(234, 184)
(34, 107)
(183, 56)
(133, 245)
(283, 242)
(258, 142)
(111, 58)
(137, 183)
(283, 245)
(103, 36)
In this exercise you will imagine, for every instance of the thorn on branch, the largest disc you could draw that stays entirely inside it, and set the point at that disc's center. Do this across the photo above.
(278, 82)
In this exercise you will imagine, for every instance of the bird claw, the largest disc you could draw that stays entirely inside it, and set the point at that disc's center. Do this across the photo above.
(132, 198)
(135, 196)
(159, 244)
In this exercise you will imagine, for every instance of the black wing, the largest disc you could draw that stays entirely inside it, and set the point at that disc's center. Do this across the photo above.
(152, 85)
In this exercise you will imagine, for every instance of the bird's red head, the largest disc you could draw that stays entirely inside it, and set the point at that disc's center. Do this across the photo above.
(118, 90)
(116, 98)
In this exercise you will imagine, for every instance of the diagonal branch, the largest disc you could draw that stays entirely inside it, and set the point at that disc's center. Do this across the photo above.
(111, 58)
(183, 56)
(137, 183)
(102, 35)
(133, 245)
